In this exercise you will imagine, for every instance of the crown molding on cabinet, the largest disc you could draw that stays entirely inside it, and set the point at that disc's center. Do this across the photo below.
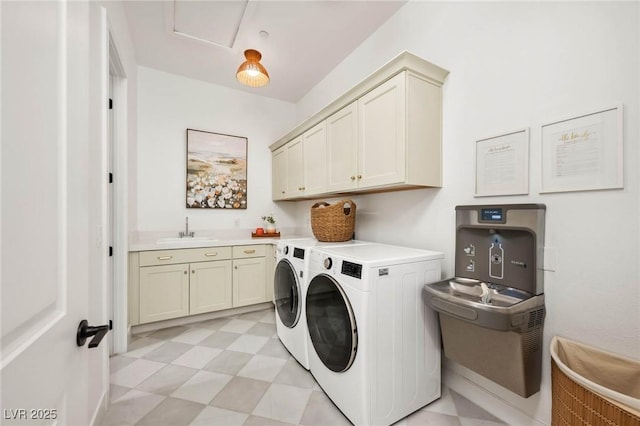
(404, 61)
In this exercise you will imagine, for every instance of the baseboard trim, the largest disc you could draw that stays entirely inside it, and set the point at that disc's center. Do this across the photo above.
(143, 328)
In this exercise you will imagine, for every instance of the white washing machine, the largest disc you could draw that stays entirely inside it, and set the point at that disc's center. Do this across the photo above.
(374, 346)
(290, 281)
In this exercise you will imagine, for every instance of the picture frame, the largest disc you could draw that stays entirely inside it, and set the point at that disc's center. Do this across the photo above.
(583, 153)
(216, 170)
(502, 164)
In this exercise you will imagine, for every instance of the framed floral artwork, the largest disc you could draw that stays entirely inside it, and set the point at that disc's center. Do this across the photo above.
(216, 171)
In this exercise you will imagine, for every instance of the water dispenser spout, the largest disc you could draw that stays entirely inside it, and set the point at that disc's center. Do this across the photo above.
(486, 294)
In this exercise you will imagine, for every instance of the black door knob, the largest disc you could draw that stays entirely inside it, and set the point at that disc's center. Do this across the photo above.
(85, 331)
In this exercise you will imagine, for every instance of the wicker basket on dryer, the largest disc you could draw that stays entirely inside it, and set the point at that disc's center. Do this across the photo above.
(333, 222)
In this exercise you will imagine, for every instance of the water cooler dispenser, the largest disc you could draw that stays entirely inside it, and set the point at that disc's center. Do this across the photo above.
(492, 312)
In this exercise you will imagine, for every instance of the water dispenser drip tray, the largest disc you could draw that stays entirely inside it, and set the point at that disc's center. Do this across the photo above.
(494, 306)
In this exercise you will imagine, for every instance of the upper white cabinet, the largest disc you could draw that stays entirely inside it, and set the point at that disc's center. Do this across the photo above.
(381, 141)
(279, 164)
(342, 149)
(384, 134)
(299, 167)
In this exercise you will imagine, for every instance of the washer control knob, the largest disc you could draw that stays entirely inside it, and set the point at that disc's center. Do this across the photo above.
(286, 249)
(328, 263)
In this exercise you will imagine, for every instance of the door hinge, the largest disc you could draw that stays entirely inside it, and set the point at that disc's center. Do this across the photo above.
(110, 103)
(110, 251)
(110, 177)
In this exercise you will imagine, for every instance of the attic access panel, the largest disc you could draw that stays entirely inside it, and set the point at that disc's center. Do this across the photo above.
(213, 22)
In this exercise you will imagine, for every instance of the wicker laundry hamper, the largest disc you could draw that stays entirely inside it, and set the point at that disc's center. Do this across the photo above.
(333, 223)
(593, 387)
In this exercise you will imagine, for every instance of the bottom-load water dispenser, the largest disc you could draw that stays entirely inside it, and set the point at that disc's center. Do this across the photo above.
(492, 312)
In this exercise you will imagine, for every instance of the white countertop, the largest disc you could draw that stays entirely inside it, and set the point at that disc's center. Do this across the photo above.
(148, 240)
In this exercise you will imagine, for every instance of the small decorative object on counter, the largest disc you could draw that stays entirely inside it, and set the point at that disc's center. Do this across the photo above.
(269, 224)
(333, 223)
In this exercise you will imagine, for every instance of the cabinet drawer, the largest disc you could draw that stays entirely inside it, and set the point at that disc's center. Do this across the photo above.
(240, 252)
(169, 257)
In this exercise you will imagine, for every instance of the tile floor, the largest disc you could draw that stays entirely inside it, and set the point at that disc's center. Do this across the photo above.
(234, 371)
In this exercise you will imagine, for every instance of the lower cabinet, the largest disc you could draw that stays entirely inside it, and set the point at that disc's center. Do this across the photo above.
(165, 284)
(209, 288)
(164, 292)
(247, 290)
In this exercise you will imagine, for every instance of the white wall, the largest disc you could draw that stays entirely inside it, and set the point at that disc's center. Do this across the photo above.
(515, 65)
(168, 105)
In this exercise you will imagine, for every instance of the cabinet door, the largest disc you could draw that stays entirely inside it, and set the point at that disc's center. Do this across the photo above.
(295, 173)
(164, 292)
(315, 159)
(279, 173)
(210, 286)
(381, 139)
(342, 149)
(249, 281)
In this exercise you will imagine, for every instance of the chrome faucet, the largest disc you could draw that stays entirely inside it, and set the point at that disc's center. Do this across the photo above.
(186, 232)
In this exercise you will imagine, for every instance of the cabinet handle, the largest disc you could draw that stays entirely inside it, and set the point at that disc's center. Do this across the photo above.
(193, 271)
(353, 178)
(359, 176)
(235, 267)
(249, 251)
(164, 257)
(211, 254)
(185, 272)
(283, 192)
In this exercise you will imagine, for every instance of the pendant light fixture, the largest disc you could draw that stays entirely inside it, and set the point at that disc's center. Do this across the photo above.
(251, 72)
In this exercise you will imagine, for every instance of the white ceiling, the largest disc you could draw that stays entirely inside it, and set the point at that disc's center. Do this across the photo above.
(306, 39)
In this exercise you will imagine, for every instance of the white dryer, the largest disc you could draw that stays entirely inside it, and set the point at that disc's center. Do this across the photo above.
(290, 281)
(374, 346)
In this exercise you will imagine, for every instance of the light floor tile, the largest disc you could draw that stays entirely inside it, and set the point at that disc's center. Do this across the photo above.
(262, 329)
(228, 362)
(130, 408)
(262, 421)
(168, 352)
(135, 373)
(193, 336)
(240, 394)
(214, 416)
(248, 344)
(423, 417)
(444, 405)
(172, 412)
(220, 340)
(275, 348)
(143, 346)
(465, 421)
(117, 362)
(115, 392)
(197, 357)
(167, 379)
(202, 387)
(238, 326)
(295, 375)
(320, 411)
(283, 403)
(262, 367)
(466, 408)
(269, 317)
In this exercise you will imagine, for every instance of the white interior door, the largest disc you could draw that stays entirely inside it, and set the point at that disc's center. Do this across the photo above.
(44, 202)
